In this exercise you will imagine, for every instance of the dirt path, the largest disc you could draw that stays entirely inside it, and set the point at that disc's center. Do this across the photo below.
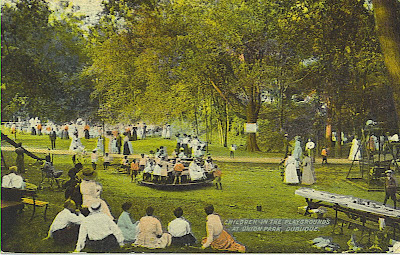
(272, 160)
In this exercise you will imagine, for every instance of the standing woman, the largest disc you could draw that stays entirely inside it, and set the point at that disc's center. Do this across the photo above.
(290, 171)
(308, 177)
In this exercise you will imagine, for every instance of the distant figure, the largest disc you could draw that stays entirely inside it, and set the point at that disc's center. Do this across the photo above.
(20, 162)
(217, 237)
(86, 131)
(53, 137)
(99, 232)
(310, 145)
(178, 169)
(33, 131)
(134, 170)
(94, 158)
(106, 161)
(119, 143)
(150, 232)
(286, 144)
(180, 230)
(390, 187)
(232, 150)
(65, 226)
(324, 154)
(355, 150)
(39, 128)
(134, 134)
(128, 226)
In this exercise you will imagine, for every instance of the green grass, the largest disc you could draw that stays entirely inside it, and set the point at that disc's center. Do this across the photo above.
(245, 185)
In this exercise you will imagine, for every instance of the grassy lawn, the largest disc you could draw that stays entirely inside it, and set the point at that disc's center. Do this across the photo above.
(245, 185)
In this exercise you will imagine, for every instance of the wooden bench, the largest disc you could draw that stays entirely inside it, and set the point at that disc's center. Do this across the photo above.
(34, 203)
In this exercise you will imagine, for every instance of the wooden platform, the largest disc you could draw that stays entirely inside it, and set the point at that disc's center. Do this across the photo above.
(182, 186)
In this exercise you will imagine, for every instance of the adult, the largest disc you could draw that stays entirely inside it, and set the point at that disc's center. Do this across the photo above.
(150, 232)
(128, 149)
(100, 144)
(53, 137)
(119, 143)
(290, 171)
(13, 180)
(180, 230)
(195, 171)
(168, 132)
(134, 134)
(217, 237)
(355, 150)
(298, 155)
(310, 145)
(390, 187)
(99, 232)
(128, 226)
(91, 190)
(65, 226)
(19, 162)
(308, 177)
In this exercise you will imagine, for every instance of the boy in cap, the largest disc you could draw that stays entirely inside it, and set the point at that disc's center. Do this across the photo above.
(390, 187)
(65, 226)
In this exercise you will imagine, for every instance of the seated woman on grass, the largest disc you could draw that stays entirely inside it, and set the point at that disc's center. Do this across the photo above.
(150, 232)
(180, 230)
(217, 237)
(128, 226)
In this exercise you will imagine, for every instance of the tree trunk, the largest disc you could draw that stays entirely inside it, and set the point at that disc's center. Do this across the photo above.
(387, 22)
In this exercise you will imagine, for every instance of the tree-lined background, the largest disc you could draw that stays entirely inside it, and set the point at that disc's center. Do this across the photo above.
(298, 67)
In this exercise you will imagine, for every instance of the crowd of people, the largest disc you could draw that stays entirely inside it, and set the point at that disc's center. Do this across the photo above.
(299, 168)
(87, 221)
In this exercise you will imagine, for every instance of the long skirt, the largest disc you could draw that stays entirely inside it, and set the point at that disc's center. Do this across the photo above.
(107, 244)
(66, 235)
(225, 242)
(188, 239)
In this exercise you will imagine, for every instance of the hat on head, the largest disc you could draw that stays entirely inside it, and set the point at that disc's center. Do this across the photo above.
(389, 171)
(95, 206)
(87, 174)
(13, 169)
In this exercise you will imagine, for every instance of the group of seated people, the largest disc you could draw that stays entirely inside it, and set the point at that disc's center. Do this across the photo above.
(159, 168)
(188, 146)
(98, 232)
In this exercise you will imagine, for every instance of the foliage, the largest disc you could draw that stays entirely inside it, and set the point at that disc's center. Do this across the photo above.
(42, 55)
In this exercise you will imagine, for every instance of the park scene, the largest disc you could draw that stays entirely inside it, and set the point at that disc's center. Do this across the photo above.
(163, 126)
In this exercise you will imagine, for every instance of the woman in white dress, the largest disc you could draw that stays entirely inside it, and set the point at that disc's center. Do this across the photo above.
(290, 171)
(355, 150)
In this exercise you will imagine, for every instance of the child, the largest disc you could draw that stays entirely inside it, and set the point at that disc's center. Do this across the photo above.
(94, 157)
(217, 175)
(107, 160)
(390, 188)
(324, 154)
(134, 169)
(125, 164)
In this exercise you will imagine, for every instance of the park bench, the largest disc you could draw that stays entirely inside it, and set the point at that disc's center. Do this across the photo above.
(36, 203)
(17, 198)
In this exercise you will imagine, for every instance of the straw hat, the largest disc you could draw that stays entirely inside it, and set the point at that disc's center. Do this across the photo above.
(13, 169)
(87, 174)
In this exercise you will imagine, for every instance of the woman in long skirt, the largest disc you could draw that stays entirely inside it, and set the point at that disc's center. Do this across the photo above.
(290, 171)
